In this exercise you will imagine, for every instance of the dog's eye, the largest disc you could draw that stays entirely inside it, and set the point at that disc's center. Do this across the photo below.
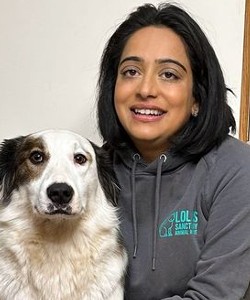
(80, 159)
(36, 157)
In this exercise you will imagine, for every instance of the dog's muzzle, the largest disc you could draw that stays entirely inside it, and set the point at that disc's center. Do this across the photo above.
(60, 195)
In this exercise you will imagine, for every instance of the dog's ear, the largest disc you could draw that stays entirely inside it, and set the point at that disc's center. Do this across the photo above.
(8, 167)
(106, 174)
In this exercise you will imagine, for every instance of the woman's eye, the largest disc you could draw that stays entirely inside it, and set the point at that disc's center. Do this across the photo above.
(36, 157)
(130, 73)
(80, 159)
(169, 76)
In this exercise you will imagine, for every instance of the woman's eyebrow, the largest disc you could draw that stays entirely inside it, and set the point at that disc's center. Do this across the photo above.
(159, 61)
(132, 58)
(172, 61)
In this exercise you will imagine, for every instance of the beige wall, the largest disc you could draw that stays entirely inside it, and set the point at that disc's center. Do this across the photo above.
(50, 51)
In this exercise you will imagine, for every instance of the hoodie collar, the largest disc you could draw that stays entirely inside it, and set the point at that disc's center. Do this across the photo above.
(173, 162)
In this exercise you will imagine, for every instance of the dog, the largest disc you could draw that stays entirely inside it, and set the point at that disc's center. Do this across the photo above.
(59, 227)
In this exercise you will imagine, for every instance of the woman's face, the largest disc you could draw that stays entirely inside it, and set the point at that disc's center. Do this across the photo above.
(153, 92)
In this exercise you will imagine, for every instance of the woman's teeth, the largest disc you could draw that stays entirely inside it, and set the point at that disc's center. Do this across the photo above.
(143, 111)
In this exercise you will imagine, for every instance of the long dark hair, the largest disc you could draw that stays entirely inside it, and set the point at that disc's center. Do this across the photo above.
(215, 119)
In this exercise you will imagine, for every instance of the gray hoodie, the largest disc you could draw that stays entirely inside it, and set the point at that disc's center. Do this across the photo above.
(186, 225)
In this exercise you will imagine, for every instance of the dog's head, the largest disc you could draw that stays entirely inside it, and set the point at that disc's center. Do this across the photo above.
(57, 171)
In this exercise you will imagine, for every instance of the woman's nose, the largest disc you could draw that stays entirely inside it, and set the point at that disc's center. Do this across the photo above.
(147, 87)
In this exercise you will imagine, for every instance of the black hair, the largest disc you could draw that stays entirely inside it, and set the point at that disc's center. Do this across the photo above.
(106, 173)
(215, 118)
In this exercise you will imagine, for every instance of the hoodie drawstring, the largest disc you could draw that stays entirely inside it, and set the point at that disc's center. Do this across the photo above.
(161, 160)
(136, 158)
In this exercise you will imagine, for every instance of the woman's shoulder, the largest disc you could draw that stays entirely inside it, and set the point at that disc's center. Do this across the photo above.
(234, 150)
(230, 156)
(229, 172)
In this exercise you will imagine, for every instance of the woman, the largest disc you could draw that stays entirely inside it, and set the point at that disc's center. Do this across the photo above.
(185, 192)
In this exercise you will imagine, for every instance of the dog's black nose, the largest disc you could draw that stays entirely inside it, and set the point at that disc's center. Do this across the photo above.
(60, 193)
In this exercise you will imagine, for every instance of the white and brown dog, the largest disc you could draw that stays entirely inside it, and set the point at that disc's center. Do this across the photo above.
(59, 236)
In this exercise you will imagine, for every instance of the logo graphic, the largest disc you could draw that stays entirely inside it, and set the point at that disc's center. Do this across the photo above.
(180, 222)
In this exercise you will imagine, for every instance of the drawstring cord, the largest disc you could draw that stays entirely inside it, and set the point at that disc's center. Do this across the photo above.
(136, 158)
(162, 159)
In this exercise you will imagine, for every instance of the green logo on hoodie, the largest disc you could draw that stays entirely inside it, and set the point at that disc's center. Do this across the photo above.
(180, 222)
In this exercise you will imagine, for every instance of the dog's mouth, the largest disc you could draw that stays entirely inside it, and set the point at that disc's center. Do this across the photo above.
(53, 209)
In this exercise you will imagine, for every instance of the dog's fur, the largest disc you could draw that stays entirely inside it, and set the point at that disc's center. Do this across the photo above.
(52, 248)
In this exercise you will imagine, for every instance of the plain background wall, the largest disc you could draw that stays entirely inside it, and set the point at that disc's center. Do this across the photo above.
(50, 52)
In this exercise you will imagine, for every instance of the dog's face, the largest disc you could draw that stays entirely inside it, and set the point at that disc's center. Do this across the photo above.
(55, 170)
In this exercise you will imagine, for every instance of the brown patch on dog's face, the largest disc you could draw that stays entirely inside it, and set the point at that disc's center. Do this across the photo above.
(21, 160)
(31, 160)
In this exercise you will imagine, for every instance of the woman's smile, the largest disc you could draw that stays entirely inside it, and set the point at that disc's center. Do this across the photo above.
(147, 114)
